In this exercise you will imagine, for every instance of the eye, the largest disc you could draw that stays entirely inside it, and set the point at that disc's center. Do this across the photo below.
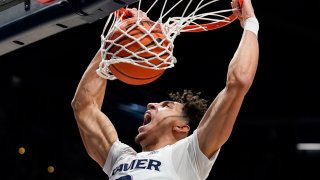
(167, 104)
(164, 104)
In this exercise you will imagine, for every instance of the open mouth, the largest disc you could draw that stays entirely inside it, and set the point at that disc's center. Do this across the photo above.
(147, 118)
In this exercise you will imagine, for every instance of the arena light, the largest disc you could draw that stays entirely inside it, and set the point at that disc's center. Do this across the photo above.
(135, 110)
(21, 150)
(308, 146)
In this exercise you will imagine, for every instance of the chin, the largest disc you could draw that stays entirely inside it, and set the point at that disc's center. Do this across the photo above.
(138, 138)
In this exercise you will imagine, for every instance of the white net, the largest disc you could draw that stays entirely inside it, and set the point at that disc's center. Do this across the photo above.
(140, 42)
(153, 46)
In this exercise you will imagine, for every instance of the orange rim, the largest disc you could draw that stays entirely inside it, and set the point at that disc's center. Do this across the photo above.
(210, 26)
(194, 28)
(214, 25)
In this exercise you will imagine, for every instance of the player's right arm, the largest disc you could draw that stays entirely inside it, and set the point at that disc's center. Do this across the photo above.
(96, 130)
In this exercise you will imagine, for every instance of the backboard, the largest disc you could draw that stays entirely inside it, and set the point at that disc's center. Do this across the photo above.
(23, 22)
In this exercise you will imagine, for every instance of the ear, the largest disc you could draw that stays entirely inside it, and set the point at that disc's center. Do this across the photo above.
(181, 128)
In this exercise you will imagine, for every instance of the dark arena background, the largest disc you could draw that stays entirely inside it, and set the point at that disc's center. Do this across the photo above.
(276, 135)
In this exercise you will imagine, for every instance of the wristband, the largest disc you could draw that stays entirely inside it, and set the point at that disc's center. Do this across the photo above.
(252, 25)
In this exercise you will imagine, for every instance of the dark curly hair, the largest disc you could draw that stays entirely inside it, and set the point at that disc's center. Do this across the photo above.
(194, 106)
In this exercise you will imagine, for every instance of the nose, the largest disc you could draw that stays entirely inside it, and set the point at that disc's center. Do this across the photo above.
(152, 106)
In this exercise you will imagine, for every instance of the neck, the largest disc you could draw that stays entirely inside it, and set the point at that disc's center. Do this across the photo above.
(156, 144)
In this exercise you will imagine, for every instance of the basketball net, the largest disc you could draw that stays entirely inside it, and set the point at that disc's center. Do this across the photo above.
(171, 28)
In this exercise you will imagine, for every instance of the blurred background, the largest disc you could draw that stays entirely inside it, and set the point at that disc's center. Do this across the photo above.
(277, 134)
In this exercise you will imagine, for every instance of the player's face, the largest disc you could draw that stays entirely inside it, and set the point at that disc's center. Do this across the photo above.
(159, 120)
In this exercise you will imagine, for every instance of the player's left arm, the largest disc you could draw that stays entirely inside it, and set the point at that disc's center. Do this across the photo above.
(216, 125)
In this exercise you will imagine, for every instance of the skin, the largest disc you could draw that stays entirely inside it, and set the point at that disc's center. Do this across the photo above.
(167, 124)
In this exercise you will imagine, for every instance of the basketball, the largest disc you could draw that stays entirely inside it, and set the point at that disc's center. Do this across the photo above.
(138, 43)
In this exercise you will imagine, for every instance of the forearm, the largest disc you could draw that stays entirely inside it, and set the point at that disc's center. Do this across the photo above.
(243, 66)
(91, 88)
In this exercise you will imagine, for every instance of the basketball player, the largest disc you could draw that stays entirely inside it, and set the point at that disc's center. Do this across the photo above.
(170, 149)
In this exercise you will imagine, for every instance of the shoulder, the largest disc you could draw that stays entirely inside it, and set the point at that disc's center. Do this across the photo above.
(119, 151)
(187, 140)
(121, 148)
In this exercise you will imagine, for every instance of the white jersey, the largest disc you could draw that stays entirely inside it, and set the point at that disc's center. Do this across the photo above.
(182, 160)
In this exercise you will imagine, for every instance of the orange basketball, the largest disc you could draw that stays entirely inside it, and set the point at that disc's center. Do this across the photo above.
(134, 74)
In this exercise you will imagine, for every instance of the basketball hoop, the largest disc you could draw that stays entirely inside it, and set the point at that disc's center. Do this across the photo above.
(170, 27)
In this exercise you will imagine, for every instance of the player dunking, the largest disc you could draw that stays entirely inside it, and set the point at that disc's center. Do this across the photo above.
(168, 151)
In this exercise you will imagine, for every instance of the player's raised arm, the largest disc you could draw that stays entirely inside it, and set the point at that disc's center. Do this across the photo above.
(97, 132)
(217, 123)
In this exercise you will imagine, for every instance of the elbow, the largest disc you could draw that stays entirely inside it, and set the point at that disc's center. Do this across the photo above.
(79, 110)
(73, 104)
(80, 105)
(76, 105)
(240, 81)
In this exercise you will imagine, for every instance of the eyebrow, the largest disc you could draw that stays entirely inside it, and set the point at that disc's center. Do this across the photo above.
(167, 102)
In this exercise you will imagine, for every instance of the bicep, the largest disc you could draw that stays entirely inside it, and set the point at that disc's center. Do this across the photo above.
(97, 133)
(216, 126)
